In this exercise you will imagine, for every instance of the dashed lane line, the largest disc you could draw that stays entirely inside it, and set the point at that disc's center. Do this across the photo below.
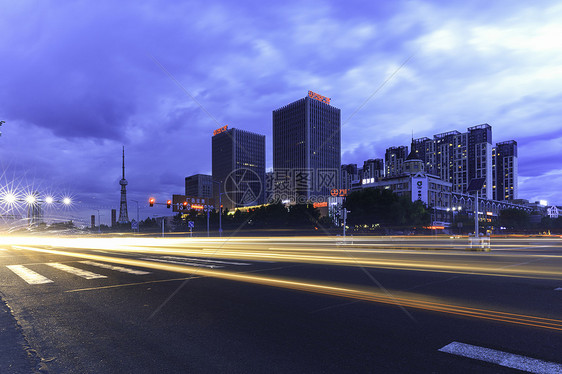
(116, 268)
(28, 275)
(130, 284)
(510, 360)
(182, 263)
(172, 280)
(206, 260)
(75, 271)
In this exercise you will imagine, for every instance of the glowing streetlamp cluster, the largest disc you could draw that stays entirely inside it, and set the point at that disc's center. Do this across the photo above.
(11, 198)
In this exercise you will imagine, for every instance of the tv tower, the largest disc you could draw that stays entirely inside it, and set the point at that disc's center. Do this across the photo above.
(123, 216)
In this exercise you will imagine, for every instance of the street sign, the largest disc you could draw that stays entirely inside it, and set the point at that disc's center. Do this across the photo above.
(134, 225)
(190, 224)
(476, 184)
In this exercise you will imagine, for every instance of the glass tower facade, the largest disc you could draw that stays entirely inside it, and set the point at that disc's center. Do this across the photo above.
(306, 150)
(238, 159)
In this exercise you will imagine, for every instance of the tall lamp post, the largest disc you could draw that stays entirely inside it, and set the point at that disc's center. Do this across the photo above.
(476, 185)
(208, 211)
(220, 206)
(99, 221)
(138, 223)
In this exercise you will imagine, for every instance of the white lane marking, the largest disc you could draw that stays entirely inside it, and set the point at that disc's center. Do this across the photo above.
(28, 275)
(205, 260)
(558, 289)
(510, 360)
(182, 263)
(116, 268)
(75, 271)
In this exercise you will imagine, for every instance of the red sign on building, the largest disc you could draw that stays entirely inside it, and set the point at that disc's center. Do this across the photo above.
(315, 96)
(222, 129)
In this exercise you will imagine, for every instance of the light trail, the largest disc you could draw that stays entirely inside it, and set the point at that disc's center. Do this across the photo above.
(467, 263)
(346, 291)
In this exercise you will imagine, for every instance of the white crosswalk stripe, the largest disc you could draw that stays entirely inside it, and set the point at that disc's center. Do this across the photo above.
(29, 275)
(116, 268)
(75, 271)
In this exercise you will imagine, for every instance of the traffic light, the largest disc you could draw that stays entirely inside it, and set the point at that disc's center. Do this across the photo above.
(151, 201)
(185, 205)
(168, 203)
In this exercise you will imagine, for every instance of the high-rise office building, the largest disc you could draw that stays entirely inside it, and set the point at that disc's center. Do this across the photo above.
(238, 158)
(199, 185)
(394, 158)
(480, 157)
(505, 171)
(458, 158)
(306, 149)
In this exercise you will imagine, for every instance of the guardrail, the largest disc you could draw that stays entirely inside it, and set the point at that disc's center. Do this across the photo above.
(479, 243)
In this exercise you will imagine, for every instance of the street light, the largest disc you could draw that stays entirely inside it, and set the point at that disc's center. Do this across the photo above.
(220, 206)
(9, 198)
(207, 209)
(138, 227)
(163, 218)
(99, 221)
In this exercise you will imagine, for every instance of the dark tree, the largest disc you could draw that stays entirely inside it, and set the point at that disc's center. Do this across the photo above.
(514, 219)
(373, 206)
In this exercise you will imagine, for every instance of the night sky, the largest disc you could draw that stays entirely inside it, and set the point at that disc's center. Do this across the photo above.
(81, 79)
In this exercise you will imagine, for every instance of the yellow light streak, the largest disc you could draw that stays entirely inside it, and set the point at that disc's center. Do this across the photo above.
(347, 291)
(499, 264)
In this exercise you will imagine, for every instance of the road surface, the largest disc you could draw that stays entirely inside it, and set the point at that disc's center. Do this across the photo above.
(299, 305)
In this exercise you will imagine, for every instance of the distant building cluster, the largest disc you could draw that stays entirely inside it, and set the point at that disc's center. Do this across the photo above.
(455, 158)
(438, 171)
(307, 165)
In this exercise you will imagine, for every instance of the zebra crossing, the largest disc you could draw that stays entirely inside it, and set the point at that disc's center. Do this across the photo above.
(33, 277)
(29, 275)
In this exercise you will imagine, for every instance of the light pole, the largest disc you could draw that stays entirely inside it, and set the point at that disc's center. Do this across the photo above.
(220, 206)
(208, 211)
(476, 233)
(99, 221)
(163, 218)
(138, 227)
(345, 211)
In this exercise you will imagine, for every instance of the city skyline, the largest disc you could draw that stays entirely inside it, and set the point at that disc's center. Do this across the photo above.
(75, 93)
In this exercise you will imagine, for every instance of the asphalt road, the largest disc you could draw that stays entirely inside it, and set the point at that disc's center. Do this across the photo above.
(278, 305)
